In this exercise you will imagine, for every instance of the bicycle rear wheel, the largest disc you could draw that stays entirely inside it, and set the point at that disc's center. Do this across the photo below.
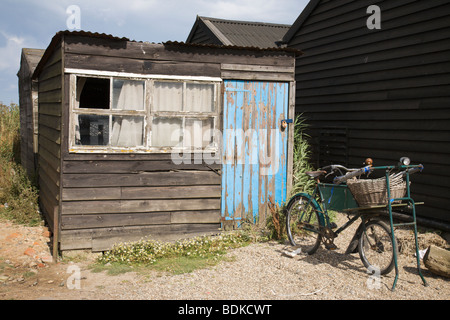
(376, 247)
(303, 224)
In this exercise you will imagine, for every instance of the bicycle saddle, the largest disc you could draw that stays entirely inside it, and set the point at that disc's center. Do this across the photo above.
(315, 174)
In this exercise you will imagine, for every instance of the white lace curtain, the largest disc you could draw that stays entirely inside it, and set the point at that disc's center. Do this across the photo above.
(127, 131)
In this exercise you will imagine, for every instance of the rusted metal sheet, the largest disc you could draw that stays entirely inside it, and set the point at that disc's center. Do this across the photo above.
(254, 163)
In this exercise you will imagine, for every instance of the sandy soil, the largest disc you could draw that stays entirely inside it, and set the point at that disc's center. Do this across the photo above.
(258, 272)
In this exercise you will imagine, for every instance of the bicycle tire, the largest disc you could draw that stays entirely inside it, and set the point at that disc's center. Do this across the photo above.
(303, 224)
(376, 247)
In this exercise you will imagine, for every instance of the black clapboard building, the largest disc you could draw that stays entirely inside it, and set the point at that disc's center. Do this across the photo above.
(381, 93)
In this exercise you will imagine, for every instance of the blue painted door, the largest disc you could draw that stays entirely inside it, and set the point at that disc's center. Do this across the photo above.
(254, 154)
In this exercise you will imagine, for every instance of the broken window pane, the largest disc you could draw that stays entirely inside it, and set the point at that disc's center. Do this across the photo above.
(168, 96)
(127, 131)
(92, 130)
(128, 94)
(166, 132)
(199, 97)
(93, 93)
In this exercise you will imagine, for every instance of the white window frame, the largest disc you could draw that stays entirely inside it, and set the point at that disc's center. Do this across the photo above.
(148, 113)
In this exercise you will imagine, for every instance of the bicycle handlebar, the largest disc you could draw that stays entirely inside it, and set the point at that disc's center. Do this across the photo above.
(350, 173)
(333, 167)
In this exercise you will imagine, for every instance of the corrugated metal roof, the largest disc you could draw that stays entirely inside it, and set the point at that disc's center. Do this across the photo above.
(235, 47)
(245, 33)
(55, 40)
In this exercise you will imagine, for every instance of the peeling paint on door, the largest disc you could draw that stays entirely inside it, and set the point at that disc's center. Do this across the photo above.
(254, 163)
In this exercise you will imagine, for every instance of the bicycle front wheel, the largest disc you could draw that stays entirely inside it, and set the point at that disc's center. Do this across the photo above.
(376, 247)
(303, 224)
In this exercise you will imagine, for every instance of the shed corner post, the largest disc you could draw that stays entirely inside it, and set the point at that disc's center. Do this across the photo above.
(64, 96)
(290, 145)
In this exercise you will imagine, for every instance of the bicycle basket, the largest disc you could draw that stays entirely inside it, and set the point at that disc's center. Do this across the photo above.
(372, 192)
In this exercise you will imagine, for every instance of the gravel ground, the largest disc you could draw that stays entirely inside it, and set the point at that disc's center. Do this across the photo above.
(257, 272)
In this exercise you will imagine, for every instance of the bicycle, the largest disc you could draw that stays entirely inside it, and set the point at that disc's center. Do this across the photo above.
(308, 223)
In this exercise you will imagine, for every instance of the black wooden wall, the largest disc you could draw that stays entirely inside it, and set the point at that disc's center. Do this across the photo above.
(381, 93)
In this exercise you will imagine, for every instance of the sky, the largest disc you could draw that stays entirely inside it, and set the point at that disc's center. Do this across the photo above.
(33, 23)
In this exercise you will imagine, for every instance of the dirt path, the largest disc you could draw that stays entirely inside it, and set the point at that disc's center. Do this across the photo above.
(259, 271)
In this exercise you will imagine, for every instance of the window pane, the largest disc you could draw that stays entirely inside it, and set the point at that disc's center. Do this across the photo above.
(128, 94)
(168, 96)
(199, 97)
(93, 93)
(92, 130)
(127, 131)
(199, 133)
(166, 132)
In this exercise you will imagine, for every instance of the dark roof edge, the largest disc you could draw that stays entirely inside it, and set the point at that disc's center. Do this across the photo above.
(25, 58)
(57, 38)
(300, 20)
(194, 28)
(296, 52)
(270, 24)
(215, 31)
(59, 35)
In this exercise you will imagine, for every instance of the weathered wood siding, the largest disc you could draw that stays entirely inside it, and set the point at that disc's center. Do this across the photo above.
(26, 116)
(28, 102)
(109, 198)
(126, 198)
(380, 93)
(49, 138)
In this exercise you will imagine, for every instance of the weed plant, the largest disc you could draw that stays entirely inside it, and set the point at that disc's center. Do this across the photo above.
(302, 157)
(276, 223)
(18, 196)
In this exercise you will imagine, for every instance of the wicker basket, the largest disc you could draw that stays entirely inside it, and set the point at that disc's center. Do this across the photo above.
(372, 192)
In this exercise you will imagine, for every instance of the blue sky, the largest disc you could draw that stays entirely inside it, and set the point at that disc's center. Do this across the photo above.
(32, 23)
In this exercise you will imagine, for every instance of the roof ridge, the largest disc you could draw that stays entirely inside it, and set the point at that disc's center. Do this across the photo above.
(272, 24)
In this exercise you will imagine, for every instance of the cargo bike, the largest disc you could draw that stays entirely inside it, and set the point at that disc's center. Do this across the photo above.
(371, 201)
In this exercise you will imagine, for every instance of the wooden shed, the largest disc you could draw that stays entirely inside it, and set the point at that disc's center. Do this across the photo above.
(28, 93)
(379, 92)
(163, 140)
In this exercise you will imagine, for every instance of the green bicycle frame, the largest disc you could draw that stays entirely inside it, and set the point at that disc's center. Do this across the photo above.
(332, 197)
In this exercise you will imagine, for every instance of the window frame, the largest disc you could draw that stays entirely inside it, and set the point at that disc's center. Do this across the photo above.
(148, 113)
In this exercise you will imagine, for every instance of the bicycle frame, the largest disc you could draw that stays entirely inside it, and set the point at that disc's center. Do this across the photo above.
(330, 199)
(344, 201)
(338, 197)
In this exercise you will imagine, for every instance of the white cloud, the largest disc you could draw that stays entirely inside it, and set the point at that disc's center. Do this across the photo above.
(10, 63)
(10, 53)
